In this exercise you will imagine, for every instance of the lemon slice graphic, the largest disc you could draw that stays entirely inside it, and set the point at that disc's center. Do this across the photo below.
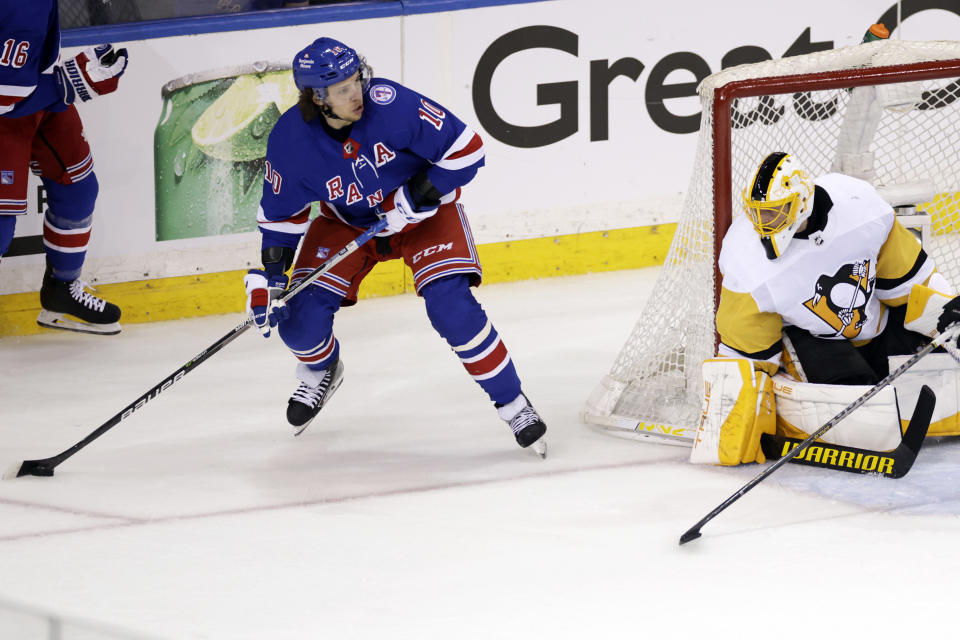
(286, 92)
(235, 127)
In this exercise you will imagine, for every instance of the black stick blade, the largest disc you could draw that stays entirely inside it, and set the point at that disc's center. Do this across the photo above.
(823, 455)
(916, 431)
(920, 420)
(42, 468)
(690, 535)
(891, 464)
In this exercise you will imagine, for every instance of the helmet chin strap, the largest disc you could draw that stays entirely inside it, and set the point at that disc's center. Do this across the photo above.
(328, 113)
(325, 109)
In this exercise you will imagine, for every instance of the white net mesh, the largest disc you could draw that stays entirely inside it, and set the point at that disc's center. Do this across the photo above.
(903, 136)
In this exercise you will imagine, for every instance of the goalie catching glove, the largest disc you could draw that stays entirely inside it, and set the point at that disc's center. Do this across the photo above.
(738, 407)
(263, 304)
(93, 72)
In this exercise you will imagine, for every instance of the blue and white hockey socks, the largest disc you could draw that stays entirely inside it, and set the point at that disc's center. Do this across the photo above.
(308, 332)
(459, 318)
(67, 225)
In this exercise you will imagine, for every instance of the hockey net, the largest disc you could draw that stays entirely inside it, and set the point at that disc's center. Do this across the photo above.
(887, 112)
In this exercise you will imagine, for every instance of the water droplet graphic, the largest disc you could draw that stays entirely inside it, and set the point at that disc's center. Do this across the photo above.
(179, 163)
(259, 127)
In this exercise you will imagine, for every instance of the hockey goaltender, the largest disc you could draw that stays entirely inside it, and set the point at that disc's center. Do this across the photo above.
(823, 293)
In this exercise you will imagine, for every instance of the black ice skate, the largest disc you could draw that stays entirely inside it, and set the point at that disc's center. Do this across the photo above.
(68, 306)
(315, 390)
(526, 424)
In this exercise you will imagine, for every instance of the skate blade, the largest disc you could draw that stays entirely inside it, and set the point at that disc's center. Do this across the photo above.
(64, 322)
(336, 385)
(540, 448)
(298, 430)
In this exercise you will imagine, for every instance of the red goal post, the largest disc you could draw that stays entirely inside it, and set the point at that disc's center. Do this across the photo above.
(887, 112)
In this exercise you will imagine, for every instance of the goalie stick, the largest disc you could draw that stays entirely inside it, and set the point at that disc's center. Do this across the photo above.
(890, 464)
(46, 466)
(949, 334)
(921, 414)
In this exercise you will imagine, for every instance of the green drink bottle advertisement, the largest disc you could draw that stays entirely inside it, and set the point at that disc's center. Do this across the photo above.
(209, 147)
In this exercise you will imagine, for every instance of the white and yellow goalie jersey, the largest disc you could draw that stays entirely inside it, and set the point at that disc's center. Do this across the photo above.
(836, 280)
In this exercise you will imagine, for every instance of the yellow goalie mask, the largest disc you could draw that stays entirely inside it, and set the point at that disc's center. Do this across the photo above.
(777, 201)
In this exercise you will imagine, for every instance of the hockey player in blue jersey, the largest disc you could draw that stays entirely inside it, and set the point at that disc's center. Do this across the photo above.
(41, 131)
(364, 148)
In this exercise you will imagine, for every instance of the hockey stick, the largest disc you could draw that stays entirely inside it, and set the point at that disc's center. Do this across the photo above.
(853, 301)
(891, 464)
(46, 466)
(951, 333)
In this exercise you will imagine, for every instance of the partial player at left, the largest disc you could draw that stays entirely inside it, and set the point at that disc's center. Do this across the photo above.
(42, 132)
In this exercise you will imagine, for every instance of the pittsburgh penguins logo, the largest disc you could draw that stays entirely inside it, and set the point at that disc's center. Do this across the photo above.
(840, 300)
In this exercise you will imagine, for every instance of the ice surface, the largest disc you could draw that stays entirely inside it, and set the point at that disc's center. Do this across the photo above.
(407, 510)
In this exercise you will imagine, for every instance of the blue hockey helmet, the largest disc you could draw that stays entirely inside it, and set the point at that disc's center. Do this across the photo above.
(325, 62)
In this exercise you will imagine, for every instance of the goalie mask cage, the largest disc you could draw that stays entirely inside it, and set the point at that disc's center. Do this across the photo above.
(887, 112)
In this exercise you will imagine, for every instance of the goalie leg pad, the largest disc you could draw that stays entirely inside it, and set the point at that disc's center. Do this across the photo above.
(738, 407)
(939, 372)
(804, 407)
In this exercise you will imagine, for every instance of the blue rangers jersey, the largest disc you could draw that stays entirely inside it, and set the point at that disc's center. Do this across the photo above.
(399, 133)
(29, 48)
